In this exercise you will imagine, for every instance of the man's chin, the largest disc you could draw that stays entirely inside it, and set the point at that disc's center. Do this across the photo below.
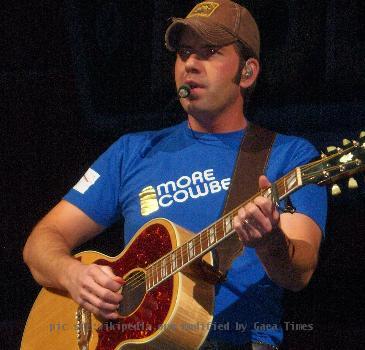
(194, 109)
(194, 104)
(200, 113)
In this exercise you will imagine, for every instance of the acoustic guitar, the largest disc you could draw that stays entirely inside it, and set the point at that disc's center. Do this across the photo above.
(167, 301)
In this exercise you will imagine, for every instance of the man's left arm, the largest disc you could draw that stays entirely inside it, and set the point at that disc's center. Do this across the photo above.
(287, 244)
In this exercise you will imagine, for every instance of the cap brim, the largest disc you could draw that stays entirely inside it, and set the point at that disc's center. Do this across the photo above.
(213, 34)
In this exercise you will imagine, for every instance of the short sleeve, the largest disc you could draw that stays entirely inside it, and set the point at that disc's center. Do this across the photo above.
(310, 200)
(97, 192)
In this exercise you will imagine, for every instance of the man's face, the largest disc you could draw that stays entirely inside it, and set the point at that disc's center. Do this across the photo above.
(211, 72)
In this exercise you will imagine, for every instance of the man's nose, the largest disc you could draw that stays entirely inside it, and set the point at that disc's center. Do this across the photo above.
(193, 63)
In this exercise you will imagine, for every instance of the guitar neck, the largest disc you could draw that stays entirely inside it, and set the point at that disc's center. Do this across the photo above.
(214, 234)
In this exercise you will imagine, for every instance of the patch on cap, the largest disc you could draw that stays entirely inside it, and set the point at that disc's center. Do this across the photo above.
(204, 9)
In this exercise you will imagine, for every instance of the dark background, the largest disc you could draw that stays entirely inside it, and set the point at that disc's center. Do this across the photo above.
(75, 75)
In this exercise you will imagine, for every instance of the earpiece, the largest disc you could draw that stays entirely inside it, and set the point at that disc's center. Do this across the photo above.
(248, 72)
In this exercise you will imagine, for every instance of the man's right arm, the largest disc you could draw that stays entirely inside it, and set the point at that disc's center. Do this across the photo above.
(48, 254)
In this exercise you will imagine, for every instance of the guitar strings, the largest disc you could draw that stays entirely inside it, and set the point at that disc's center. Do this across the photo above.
(329, 157)
(157, 265)
(327, 169)
(136, 282)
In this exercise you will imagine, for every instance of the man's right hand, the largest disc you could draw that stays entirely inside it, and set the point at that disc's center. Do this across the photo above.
(96, 288)
(48, 255)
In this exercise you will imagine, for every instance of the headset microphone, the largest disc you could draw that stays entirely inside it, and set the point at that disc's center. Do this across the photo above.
(183, 91)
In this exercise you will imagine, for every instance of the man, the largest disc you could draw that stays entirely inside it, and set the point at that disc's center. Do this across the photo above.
(182, 173)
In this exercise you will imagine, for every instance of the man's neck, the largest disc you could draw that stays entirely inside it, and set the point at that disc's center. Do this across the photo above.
(218, 124)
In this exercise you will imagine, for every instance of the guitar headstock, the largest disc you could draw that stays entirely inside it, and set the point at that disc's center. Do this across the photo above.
(339, 163)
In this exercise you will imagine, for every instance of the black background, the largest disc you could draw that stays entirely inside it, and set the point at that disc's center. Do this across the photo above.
(75, 75)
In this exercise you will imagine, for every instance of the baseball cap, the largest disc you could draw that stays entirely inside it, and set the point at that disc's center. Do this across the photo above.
(219, 23)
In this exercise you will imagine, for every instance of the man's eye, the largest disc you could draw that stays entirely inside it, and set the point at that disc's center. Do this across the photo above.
(213, 50)
(209, 51)
(184, 52)
(203, 53)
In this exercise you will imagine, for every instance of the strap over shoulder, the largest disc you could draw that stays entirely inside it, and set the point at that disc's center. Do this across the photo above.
(251, 162)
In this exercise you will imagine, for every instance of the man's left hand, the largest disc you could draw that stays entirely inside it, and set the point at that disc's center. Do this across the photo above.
(257, 220)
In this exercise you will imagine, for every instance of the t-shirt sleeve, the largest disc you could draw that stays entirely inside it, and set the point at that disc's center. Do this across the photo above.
(97, 192)
(310, 200)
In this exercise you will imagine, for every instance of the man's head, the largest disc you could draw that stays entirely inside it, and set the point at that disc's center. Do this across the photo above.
(217, 47)
(219, 23)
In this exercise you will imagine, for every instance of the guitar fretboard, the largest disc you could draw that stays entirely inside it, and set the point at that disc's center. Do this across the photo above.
(211, 236)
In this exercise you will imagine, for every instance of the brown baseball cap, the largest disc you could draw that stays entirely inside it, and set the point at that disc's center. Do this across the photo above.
(219, 22)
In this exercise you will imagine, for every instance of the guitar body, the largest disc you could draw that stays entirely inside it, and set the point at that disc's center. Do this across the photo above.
(175, 314)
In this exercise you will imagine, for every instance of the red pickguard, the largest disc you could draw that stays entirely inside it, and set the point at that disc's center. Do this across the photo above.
(151, 244)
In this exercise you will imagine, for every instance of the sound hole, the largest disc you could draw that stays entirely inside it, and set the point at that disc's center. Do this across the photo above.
(133, 292)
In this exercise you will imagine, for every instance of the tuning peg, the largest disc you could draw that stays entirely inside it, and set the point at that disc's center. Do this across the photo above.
(331, 149)
(362, 134)
(346, 142)
(335, 190)
(352, 184)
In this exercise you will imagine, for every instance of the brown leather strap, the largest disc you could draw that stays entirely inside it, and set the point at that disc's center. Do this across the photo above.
(253, 156)
(250, 164)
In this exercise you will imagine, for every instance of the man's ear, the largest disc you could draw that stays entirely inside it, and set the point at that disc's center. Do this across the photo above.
(249, 73)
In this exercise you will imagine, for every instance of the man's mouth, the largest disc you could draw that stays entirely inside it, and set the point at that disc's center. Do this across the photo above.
(194, 85)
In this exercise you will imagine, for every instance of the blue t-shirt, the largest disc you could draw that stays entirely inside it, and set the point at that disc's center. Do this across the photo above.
(183, 175)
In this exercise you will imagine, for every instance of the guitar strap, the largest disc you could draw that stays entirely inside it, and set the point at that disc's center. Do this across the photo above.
(251, 162)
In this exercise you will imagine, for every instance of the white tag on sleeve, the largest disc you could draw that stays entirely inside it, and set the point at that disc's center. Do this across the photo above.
(89, 178)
